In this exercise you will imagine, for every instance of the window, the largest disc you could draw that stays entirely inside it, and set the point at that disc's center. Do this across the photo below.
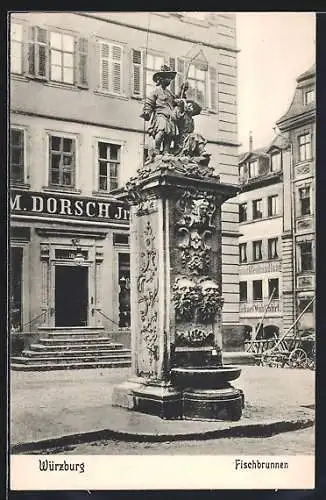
(305, 256)
(17, 156)
(304, 147)
(272, 205)
(153, 64)
(110, 67)
(304, 198)
(202, 81)
(109, 165)
(276, 162)
(243, 291)
(309, 96)
(241, 172)
(243, 252)
(257, 209)
(57, 56)
(253, 169)
(16, 48)
(257, 290)
(242, 212)
(273, 285)
(61, 58)
(124, 289)
(303, 303)
(62, 152)
(272, 248)
(120, 239)
(257, 250)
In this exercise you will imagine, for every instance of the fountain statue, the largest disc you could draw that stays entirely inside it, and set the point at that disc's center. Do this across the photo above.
(176, 270)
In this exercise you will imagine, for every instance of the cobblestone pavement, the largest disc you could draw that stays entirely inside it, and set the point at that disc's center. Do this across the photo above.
(60, 402)
(299, 442)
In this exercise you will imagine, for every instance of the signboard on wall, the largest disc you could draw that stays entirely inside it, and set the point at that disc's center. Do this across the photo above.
(260, 268)
(66, 206)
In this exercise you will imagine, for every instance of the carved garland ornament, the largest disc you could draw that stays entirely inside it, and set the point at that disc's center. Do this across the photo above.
(147, 284)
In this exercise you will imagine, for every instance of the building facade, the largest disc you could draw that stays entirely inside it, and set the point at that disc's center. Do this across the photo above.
(78, 81)
(276, 222)
(260, 243)
(299, 236)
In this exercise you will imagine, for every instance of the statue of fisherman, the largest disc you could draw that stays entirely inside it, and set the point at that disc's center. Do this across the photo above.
(159, 108)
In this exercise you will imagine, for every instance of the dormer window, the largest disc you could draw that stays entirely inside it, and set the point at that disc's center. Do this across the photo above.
(276, 162)
(253, 169)
(309, 96)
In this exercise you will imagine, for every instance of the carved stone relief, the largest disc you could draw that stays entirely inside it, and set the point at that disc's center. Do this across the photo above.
(147, 287)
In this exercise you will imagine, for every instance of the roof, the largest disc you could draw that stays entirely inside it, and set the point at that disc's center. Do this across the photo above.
(297, 106)
(279, 141)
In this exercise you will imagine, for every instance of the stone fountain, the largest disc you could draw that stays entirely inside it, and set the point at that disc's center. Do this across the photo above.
(176, 296)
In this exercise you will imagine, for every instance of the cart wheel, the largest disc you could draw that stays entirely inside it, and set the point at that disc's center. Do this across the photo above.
(311, 363)
(298, 358)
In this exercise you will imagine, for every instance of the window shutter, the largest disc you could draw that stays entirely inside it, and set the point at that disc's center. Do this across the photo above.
(172, 66)
(137, 73)
(116, 69)
(38, 52)
(104, 65)
(212, 88)
(180, 74)
(82, 62)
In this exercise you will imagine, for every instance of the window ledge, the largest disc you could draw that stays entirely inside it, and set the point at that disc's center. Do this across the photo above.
(261, 219)
(17, 76)
(104, 194)
(61, 189)
(19, 185)
(123, 97)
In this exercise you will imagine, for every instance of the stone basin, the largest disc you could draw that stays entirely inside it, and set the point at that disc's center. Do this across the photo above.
(204, 377)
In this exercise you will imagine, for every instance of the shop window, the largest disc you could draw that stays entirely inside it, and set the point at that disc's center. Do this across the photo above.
(309, 96)
(243, 252)
(304, 200)
(257, 209)
(253, 169)
(17, 155)
(124, 289)
(57, 56)
(16, 264)
(243, 212)
(16, 48)
(305, 256)
(257, 250)
(276, 162)
(109, 156)
(62, 151)
(304, 147)
(243, 290)
(257, 290)
(272, 248)
(273, 285)
(111, 64)
(273, 205)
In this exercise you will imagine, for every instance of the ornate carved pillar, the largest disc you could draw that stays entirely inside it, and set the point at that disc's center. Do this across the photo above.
(176, 275)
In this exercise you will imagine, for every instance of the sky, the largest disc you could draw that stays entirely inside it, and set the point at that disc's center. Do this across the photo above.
(275, 48)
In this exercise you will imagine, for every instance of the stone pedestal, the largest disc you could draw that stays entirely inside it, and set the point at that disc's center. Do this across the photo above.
(176, 278)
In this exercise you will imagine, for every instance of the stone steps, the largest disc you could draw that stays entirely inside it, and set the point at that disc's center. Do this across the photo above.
(71, 366)
(72, 348)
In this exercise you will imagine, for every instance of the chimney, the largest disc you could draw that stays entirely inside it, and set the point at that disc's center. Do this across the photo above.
(250, 141)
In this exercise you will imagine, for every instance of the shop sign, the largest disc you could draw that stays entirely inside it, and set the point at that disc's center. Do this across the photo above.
(35, 203)
(260, 268)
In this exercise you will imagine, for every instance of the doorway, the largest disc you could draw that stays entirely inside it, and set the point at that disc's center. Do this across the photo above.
(71, 296)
